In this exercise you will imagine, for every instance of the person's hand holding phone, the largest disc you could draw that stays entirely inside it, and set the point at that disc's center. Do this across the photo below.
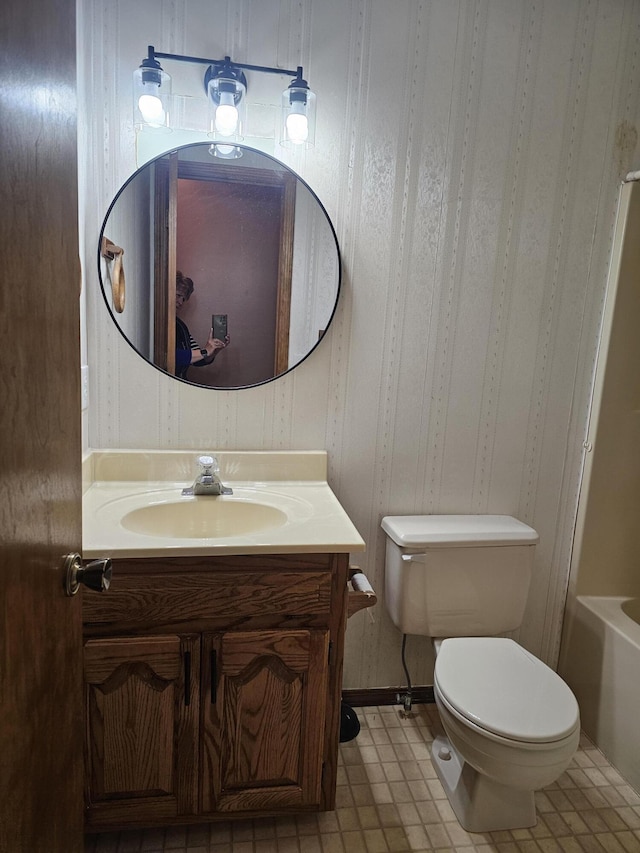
(214, 344)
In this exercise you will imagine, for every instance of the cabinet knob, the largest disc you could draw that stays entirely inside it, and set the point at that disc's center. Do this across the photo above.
(96, 574)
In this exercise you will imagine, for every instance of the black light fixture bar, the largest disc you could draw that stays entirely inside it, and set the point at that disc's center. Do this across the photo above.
(221, 63)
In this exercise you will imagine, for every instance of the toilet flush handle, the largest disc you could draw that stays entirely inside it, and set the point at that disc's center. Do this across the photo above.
(415, 558)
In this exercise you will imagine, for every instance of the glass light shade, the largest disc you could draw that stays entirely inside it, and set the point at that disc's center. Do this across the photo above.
(151, 92)
(225, 151)
(298, 120)
(226, 109)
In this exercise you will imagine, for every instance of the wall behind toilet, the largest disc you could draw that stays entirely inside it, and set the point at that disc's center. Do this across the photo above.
(469, 155)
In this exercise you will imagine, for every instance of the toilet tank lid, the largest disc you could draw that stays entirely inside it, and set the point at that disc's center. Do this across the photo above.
(464, 531)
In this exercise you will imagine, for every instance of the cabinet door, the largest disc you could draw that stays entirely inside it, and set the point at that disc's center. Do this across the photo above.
(142, 709)
(263, 719)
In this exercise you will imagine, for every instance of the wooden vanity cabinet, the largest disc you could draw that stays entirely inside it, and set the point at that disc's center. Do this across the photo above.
(212, 688)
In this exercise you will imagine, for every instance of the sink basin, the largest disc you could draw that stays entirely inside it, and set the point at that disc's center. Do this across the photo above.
(203, 518)
(133, 506)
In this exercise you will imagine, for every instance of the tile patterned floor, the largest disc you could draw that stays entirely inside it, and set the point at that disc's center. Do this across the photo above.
(390, 800)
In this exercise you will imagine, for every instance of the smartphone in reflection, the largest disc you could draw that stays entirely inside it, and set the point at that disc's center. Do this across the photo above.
(219, 326)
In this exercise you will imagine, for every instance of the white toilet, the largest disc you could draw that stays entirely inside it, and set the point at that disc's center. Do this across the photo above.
(512, 724)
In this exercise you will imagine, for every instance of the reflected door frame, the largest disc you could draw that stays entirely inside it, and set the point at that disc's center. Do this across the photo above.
(167, 172)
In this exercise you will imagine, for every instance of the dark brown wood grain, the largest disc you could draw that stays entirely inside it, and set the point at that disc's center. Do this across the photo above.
(141, 730)
(162, 599)
(263, 736)
(40, 445)
(268, 695)
(339, 598)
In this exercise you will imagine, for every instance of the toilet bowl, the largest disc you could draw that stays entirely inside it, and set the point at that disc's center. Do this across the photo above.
(512, 726)
(511, 723)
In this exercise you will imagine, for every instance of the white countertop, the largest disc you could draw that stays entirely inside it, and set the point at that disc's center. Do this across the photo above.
(292, 485)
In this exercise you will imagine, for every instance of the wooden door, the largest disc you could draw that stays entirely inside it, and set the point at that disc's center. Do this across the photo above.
(142, 709)
(264, 701)
(40, 444)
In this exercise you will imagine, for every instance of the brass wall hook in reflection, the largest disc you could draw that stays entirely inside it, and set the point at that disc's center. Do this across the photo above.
(111, 252)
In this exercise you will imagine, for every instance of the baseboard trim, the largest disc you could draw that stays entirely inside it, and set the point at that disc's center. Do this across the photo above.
(387, 696)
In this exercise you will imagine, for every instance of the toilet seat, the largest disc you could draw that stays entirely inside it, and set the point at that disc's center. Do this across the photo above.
(496, 686)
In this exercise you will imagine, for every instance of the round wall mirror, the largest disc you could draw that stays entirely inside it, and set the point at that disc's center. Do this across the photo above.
(221, 271)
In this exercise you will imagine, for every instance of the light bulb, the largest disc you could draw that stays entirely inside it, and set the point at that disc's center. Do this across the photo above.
(226, 120)
(297, 125)
(151, 110)
(150, 105)
(298, 116)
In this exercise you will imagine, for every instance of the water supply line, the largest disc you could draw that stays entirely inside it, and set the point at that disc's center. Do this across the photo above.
(406, 698)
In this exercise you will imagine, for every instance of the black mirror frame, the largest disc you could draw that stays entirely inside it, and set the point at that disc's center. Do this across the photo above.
(103, 288)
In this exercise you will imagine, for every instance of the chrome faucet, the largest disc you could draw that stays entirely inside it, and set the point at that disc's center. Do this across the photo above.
(208, 481)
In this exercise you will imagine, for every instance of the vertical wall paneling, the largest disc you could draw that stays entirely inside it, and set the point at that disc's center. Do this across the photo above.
(442, 443)
(551, 372)
(346, 48)
(507, 246)
(469, 155)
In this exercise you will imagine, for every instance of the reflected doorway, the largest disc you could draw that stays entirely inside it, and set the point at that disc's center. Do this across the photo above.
(209, 221)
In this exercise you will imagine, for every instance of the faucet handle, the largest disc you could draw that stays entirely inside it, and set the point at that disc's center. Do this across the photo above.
(209, 464)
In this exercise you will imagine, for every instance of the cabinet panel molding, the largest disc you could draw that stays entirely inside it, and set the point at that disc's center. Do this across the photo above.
(263, 729)
(142, 721)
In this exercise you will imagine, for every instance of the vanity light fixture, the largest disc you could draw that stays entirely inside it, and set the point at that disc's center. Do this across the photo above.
(298, 113)
(151, 89)
(226, 85)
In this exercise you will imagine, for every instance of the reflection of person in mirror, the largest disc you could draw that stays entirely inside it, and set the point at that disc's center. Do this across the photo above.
(188, 352)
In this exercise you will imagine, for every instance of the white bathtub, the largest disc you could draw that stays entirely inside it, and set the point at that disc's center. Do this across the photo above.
(601, 663)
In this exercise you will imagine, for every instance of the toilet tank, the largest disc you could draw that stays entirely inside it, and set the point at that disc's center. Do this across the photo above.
(457, 575)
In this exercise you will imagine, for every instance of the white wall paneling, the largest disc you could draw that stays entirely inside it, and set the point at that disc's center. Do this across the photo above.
(469, 155)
